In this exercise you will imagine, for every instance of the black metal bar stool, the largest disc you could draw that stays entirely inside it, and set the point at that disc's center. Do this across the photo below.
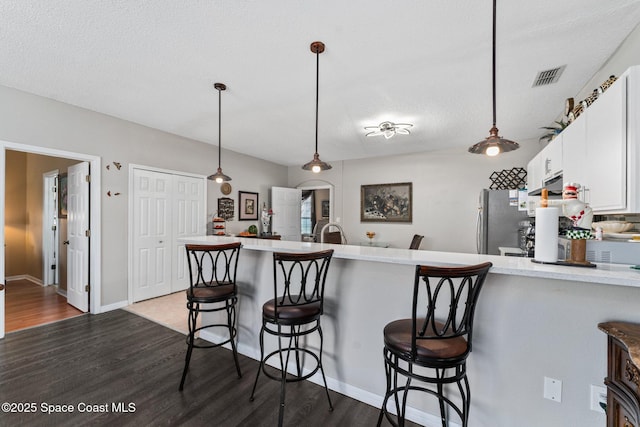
(294, 312)
(437, 337)
(212, 275)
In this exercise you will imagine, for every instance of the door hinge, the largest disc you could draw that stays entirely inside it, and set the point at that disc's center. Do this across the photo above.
(53, 228)
(87, 233)
(87, 178)
(86, 288)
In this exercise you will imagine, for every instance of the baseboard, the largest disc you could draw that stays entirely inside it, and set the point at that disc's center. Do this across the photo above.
(28, 277)
(61, 292)
(115, 306)
(372, 399)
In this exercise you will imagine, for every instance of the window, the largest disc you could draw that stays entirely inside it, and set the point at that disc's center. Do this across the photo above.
(307, 213)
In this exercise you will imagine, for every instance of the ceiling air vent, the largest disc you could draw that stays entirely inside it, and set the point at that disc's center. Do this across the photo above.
(548, 77)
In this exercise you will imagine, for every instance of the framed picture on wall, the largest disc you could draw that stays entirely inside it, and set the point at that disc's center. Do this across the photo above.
(386, 202)
(62, 195)
(247, 206)
(325, 209)
(225, 208)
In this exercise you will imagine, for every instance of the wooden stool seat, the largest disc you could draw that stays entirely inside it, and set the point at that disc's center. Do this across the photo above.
(397, 337)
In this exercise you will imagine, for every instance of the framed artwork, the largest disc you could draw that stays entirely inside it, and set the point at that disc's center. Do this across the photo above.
(225, 208)
(386, 202)
(62, 195)
(247, 206)
(325, 209)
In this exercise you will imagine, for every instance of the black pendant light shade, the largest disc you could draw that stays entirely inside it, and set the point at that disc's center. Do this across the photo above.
(316, 165)
(494, 144)
(219, 176)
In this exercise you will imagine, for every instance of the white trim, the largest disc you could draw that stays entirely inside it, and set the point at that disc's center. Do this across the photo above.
(95, 216)
(114, 306)
(28, 277)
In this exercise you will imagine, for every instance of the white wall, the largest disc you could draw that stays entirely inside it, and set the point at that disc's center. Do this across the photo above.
(33, 120)
(446, 185)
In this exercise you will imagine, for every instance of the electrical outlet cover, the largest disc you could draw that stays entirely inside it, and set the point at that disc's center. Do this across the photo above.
(553, 389)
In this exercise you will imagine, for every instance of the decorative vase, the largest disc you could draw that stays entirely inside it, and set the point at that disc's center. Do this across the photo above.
(578, 251)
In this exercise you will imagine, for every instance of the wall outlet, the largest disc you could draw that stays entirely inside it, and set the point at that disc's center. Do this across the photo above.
(553, 389)
(598, 398)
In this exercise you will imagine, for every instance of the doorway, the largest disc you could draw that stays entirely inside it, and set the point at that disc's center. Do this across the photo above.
(316, 209)
(94, 218)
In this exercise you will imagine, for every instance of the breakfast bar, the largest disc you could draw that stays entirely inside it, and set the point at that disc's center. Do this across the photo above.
(533, 321)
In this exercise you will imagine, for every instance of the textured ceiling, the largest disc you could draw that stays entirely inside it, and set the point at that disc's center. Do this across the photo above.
(154, 62)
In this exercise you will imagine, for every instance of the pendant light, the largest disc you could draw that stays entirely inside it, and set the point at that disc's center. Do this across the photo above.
(316, 165)
(494, 144)
(219, 177)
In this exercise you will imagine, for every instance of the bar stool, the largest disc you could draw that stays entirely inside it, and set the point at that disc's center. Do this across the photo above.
(212, 274)
(294, 312)
(448, 294)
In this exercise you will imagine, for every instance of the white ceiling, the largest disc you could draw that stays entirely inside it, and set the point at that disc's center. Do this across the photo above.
(426, 62)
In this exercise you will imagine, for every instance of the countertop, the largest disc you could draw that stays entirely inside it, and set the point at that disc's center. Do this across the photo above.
(609, 274)
(628, 333)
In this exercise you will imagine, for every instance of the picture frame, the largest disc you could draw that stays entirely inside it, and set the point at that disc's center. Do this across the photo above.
(386, 202)
(226, 208)
(62, 195)
(247, 206)
(325, 208)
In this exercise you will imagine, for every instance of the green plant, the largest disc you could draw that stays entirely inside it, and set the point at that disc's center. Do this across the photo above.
(553, 130)
(253, 229)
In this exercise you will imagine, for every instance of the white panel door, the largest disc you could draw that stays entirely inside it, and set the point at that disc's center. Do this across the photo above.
(285, 203)
(189, 219)
(152, 239)
(77, 236)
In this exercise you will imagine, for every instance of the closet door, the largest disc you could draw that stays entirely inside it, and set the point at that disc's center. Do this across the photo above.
(152, 234)
(190, 219)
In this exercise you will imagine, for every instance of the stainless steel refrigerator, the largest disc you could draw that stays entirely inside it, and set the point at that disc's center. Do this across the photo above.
(498, 221)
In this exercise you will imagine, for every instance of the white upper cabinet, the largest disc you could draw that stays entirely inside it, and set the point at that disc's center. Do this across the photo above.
(600, 148)
(552, 158)
(606, 150)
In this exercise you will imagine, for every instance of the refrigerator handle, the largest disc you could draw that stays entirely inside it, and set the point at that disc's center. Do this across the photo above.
(478, 222)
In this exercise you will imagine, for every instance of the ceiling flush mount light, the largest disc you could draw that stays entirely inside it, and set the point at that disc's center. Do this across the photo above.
(389, 129)
(316, 165)
(494, 144)
(219, 176)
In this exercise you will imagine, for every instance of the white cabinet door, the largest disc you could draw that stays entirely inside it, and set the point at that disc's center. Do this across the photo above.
(574, 155)
(552, 158)
(606, 137)
(534, 176)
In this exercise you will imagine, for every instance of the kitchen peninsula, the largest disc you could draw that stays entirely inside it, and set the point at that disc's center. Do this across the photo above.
(532, 321)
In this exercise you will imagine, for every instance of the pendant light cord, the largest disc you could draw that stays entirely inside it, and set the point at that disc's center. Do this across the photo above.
(220, 128)
(317, 92)
(494, 63)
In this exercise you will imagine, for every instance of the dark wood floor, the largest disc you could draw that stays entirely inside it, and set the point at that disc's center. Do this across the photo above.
(28, 304)
(120, 358)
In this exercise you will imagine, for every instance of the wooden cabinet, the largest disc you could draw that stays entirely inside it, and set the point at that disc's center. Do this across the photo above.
(623, 374)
